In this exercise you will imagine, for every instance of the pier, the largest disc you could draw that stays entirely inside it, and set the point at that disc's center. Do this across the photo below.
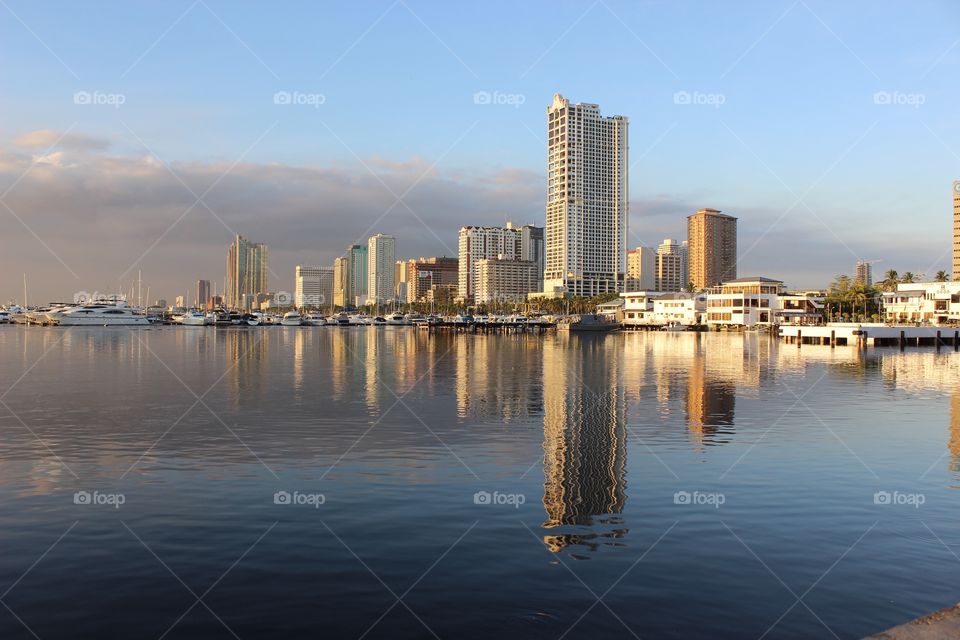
(872, 335)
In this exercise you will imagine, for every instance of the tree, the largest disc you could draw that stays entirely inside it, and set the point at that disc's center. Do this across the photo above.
(942, 276)
(890, 280)
(907, 277)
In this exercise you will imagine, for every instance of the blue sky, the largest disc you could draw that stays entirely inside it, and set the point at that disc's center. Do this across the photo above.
(798, 118)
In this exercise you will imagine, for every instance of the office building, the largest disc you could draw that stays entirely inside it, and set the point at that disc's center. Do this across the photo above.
(203, 293)
(356, 291)
(672, 273)
(423, 274)
(381, 262)
(479, 243)
(956, 230)
(641, 269)
(504, 281)
(586, 231)
(341, 282)
(712, 238)
(246, 272)
(313, 287)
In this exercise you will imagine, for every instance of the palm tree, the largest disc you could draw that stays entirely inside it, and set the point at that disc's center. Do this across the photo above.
(907, 277)
(890, 280)
(942, 276)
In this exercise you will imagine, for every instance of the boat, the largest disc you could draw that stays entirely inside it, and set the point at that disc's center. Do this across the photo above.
(98, 314)
(675, 326)
(397, 319)
(292, 319)
(341, 320)
(587, 322)
(314, 320)
(463, 319)
(193, 319)
(360, 318)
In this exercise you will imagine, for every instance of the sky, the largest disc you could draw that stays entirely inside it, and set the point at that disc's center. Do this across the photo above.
(137, 138)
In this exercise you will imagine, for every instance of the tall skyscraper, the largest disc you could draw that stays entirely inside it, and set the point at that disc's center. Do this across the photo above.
(480, 243)
(341, 281)
(533, 250)
(246, 272)
(381, 259)
(314, 287)
(863, 272)
(586, 232)
(203, 293)
(712, 238)
(672, 273)
(641, 269)
(956, 230)
(356, 292)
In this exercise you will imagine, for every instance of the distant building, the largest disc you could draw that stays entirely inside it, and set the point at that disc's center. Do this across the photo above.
(587, 203)
(356, 291)
(400, 281)
(203, 294)
(179, 302)
(863, 272)
(246, 272)
(500, 280)
(341, 282)
(956, 229)
(712, 238)
(479, 243)
(425, 273)
(313, 287)
(672, 272)
(161, 303)
(381, 259)
(641, 269)
(533, 248)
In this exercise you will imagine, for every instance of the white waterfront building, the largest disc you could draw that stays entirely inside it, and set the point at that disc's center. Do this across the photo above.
(744, 302)
(587, 200)
(658, 308)
(923, 303)
(381, 268)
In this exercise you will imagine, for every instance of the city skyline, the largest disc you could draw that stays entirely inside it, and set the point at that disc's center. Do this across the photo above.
(713, 126)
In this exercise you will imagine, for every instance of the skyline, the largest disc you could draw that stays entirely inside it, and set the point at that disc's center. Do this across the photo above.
(796, 106)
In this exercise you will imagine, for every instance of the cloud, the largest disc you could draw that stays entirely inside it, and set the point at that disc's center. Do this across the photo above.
(48, 138)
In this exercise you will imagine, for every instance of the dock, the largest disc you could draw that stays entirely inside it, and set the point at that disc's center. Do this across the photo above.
(867, 335)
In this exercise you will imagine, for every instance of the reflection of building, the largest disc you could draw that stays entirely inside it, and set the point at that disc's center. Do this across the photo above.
(712, 238)
(246, 272)
(584, 436)
(954, 444)
(586, 232)
(710, 404)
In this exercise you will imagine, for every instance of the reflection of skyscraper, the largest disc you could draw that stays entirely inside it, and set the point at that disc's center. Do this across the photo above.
(954, 444)
(584, 436)
(710, 404)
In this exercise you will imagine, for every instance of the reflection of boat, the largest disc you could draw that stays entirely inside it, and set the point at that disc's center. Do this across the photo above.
(101, 314)
(292, 319)
(587, 322)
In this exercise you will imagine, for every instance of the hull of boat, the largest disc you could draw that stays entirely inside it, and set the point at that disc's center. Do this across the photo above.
(65, 321)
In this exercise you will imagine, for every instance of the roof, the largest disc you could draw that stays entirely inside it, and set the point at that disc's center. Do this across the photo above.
(752, 279)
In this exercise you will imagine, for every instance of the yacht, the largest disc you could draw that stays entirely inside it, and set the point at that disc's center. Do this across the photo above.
(194, 319)
(99, 314)
(292, 319)
(587, 322)
(314, 320)
(4, 317)
(397, 319)
(360, 318)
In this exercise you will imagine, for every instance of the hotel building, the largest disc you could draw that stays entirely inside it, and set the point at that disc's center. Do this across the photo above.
(586, 231)
(480, 243)
(341, 281)
(314, 287)
(956, 230)
(641, 269)
(501, 280)
(246, 272)
(356, 291)
(423, 274)
(712, 239)
(381, 259)
(672, 272)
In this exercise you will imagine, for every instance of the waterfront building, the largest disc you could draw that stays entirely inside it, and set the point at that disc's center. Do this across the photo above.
(956, 229)
(671, 267)
(423, 274)
(203, 294)
(313, 287)
(587, 200)
(744, 302)
(641, 269)
(638, 306)
(356, 291)
(922, 302)
(381, 259)
(341, 281)
(246, 272)
(863, 272)
(501, 280)
(479, 243)
(679, 308)
(802, 307)
(712, 239)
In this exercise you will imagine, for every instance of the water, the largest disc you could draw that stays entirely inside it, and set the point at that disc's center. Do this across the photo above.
(657, 485)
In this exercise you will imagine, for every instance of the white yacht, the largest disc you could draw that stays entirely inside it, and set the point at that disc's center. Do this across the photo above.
(292, 319)
(98, 314)
(315, 319)
(360, 318)
(194, 319)
(397, 319)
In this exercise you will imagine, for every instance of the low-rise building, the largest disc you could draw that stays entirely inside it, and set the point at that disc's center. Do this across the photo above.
(800, 307)
(744, 302)
(638, 306)
(923, 302)
(679, 308)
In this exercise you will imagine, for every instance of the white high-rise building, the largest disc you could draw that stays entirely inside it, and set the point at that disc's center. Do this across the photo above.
(956, 230)
(509, 242)
(586, 232)
(672, 271)
(381, 261)
(314, 287)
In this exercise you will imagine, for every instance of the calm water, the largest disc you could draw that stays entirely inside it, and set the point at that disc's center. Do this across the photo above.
(683, 486)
